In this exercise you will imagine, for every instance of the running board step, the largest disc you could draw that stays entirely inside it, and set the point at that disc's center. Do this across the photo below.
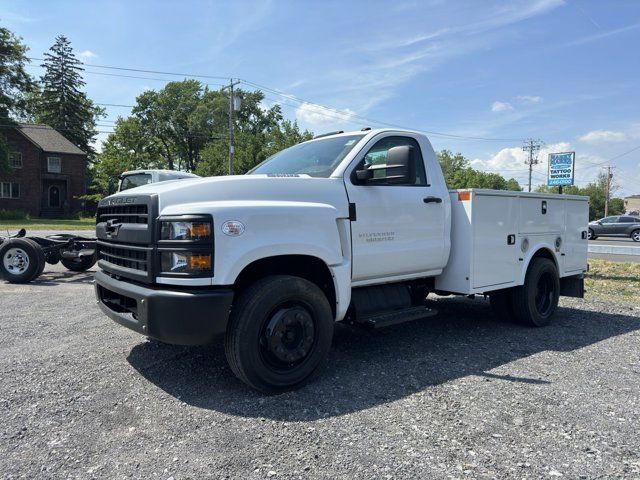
(395, 317)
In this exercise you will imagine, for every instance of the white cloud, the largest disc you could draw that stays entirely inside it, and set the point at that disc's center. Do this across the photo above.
(599, 36)
(501, 107)
(510, 163)
(529, 98)
(87, 54)
(318, 115)
(601, 136)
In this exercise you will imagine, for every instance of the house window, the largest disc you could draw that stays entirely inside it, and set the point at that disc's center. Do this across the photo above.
(9, 190)
(15, 159)
(54, 165)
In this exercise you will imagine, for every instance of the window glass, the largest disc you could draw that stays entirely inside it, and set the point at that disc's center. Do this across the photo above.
(15, 159)
(377, 155)
(610, 220)
(318, 158)
(626, 219)
(6, 190)
(54, 164)
(133, 181)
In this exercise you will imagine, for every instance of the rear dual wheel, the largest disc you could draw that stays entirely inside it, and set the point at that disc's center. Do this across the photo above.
(533, 303)
(279, 333)
(21, 260)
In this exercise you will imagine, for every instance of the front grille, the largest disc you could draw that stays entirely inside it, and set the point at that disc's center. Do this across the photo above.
(135, 258)
(123, 214)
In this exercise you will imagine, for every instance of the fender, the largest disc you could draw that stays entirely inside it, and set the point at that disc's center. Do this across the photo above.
(541, 244)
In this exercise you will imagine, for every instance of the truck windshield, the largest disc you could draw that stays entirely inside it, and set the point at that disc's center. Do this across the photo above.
(316, 159)
(136, 180)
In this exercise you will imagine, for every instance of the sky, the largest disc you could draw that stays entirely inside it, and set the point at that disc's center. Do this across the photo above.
(478, 77)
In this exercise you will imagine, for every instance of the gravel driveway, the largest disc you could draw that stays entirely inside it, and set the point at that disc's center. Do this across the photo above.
(458, 396)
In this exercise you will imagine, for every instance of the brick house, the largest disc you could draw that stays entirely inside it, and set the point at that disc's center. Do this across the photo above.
(47, 172)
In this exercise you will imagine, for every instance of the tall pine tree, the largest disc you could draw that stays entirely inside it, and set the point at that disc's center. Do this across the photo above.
(61, 103)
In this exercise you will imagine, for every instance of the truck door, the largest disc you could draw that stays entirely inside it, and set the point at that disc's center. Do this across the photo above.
(398, 229)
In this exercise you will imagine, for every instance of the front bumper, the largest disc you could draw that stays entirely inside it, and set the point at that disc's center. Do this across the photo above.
(180, 316)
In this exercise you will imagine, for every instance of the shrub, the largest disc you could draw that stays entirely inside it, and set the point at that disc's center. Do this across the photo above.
(13, 214)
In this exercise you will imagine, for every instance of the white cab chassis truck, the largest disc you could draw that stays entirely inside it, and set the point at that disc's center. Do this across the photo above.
(356, 227)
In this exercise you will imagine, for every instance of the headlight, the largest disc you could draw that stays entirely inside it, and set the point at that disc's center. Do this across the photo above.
(185, 262)
(195, 230)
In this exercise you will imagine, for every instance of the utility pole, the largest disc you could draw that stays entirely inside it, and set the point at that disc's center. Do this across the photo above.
(607, 189)
(532, 147)
(232, 108)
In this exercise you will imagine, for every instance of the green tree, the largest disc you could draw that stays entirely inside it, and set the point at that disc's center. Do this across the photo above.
(182, 118)
(15, 82)
(61, 103)
(451, 164)
(458, 173)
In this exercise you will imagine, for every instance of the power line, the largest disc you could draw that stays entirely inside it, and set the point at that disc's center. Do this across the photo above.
(372, 121)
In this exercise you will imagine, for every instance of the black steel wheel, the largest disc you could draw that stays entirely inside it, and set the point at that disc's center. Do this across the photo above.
(536, 301)
(279, 333)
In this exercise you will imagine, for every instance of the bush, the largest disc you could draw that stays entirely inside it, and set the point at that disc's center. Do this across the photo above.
(13, 214)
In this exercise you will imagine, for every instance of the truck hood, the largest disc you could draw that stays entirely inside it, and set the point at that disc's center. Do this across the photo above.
(247, 188)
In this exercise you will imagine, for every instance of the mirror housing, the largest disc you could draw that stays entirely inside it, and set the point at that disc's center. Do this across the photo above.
(400, 168)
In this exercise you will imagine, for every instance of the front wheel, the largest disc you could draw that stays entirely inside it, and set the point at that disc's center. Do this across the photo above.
(279, 333)
(591, 234)
(21, 260)
(635, 235)
(536, 301)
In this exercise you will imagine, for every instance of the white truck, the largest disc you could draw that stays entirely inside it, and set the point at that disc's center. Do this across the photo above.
(357, 227)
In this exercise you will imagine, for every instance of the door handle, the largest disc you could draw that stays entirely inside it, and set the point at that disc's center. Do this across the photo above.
(432, 200)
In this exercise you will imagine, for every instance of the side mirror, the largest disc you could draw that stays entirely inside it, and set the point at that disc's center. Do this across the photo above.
(402, 163)
(400, 168)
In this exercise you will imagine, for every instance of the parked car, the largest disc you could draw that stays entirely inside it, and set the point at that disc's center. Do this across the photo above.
(356, 227)
(137, 178)
(616, 226)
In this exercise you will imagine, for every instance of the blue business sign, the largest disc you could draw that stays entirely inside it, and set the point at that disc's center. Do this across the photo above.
(561, 168)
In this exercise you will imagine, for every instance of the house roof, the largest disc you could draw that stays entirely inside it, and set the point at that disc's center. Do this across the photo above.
(48, 139)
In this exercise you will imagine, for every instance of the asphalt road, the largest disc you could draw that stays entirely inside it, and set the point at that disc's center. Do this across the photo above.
(454, 396)
(626, 241)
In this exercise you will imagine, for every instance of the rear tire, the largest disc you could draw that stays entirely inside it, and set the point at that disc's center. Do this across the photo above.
(21, 260)
(279, 333)
(635, 235)
(79, 264)
(536, 301)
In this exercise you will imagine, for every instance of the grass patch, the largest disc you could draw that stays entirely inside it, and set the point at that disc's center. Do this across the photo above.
(613, 281)
(46, 224)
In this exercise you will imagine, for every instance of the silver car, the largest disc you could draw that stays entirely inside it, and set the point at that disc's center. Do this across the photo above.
(616, 226)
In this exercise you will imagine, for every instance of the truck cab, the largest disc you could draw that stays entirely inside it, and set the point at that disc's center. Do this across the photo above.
(355, 227)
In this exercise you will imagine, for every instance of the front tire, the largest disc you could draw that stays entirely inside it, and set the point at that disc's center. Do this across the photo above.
(536, 301)
(591, 234)
(21, 260)
(279, 333)
(635, 235)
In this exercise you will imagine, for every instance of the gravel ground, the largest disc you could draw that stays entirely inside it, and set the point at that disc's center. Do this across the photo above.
(455, 396)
